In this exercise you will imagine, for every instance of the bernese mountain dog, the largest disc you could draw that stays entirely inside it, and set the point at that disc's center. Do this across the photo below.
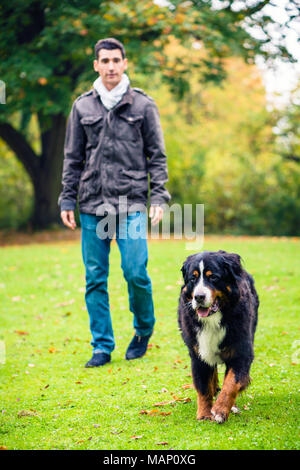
(217, 316)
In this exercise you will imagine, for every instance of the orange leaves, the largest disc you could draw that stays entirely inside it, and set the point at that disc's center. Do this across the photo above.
(152, 20)
(155, 411)
(175, 400)
(187, 386)
(42, 81)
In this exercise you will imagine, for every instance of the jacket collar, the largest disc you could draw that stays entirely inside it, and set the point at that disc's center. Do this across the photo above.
(127, 98)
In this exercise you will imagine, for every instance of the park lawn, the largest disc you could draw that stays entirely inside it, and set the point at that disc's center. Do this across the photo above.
(50, 401)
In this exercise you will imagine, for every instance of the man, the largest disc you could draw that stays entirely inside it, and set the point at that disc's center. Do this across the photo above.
(113, 142)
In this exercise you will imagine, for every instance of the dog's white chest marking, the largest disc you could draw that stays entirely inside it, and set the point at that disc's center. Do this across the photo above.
(209, 338)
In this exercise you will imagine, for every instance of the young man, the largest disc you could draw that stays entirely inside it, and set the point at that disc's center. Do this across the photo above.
(113, 142)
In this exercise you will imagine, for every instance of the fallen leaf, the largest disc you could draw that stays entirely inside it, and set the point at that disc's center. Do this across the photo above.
(153, 412)
(63, 304)
(27, 413)
(20, 332)
(163, 403)
(52, 350)
(162, 443)
(187, 386)
(270, 288)
(137, 437)
(3, 448)
(67, 314)
(182, 400)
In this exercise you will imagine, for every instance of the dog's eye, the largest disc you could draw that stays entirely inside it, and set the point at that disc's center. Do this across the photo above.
(213, 277)
(195, 275)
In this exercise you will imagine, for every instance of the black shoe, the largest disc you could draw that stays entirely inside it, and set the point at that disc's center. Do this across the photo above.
(137, 347)
(98, 359)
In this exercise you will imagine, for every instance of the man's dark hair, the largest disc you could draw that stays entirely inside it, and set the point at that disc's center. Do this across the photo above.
(110, 44)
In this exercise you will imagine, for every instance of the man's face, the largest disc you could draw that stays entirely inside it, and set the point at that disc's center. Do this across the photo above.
(110, 66)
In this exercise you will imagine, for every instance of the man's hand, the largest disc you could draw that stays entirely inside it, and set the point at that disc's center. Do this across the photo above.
(68, 219)
(156, 214)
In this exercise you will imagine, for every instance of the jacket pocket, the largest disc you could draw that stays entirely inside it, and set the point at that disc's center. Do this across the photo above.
(89, 184)
(138, 181)
(92, 127)
(129, 127)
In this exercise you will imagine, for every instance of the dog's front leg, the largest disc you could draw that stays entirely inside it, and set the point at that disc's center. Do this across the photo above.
(205, 380)
(226, 400)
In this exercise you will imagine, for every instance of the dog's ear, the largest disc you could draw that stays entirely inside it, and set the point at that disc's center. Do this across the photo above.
(233, 265)
(234, 270)
(185, 268)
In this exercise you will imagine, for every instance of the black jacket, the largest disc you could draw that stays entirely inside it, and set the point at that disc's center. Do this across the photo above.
(111, 153)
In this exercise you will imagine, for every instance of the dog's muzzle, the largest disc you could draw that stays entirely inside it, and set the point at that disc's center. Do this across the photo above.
(203, 307)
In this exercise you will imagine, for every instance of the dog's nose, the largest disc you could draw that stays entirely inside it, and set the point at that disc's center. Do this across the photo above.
(200, 298)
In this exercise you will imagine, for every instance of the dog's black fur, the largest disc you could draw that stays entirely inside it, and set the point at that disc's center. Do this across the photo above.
(232, 296)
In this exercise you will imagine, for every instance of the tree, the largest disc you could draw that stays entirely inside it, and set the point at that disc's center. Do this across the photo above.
(46, 61)
(288, 128)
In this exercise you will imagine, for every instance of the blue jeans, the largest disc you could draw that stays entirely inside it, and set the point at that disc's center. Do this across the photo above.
(131, 239)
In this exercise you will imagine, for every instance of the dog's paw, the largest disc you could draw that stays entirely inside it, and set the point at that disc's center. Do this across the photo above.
(219, 416)
(204, 417)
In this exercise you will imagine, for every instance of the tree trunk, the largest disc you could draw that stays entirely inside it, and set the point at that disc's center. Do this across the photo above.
(47, 181)
(45, 170)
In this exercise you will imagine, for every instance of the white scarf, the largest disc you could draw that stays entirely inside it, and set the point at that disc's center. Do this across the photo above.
(112, 97)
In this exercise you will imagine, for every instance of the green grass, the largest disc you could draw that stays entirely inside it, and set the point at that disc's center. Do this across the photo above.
(42, 294)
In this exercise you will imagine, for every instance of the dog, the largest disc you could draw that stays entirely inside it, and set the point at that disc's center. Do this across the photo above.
(217, 316)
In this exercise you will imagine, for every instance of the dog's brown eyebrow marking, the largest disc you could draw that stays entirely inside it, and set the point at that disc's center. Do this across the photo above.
(228, 288)
(208, 273)
(195, 273)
